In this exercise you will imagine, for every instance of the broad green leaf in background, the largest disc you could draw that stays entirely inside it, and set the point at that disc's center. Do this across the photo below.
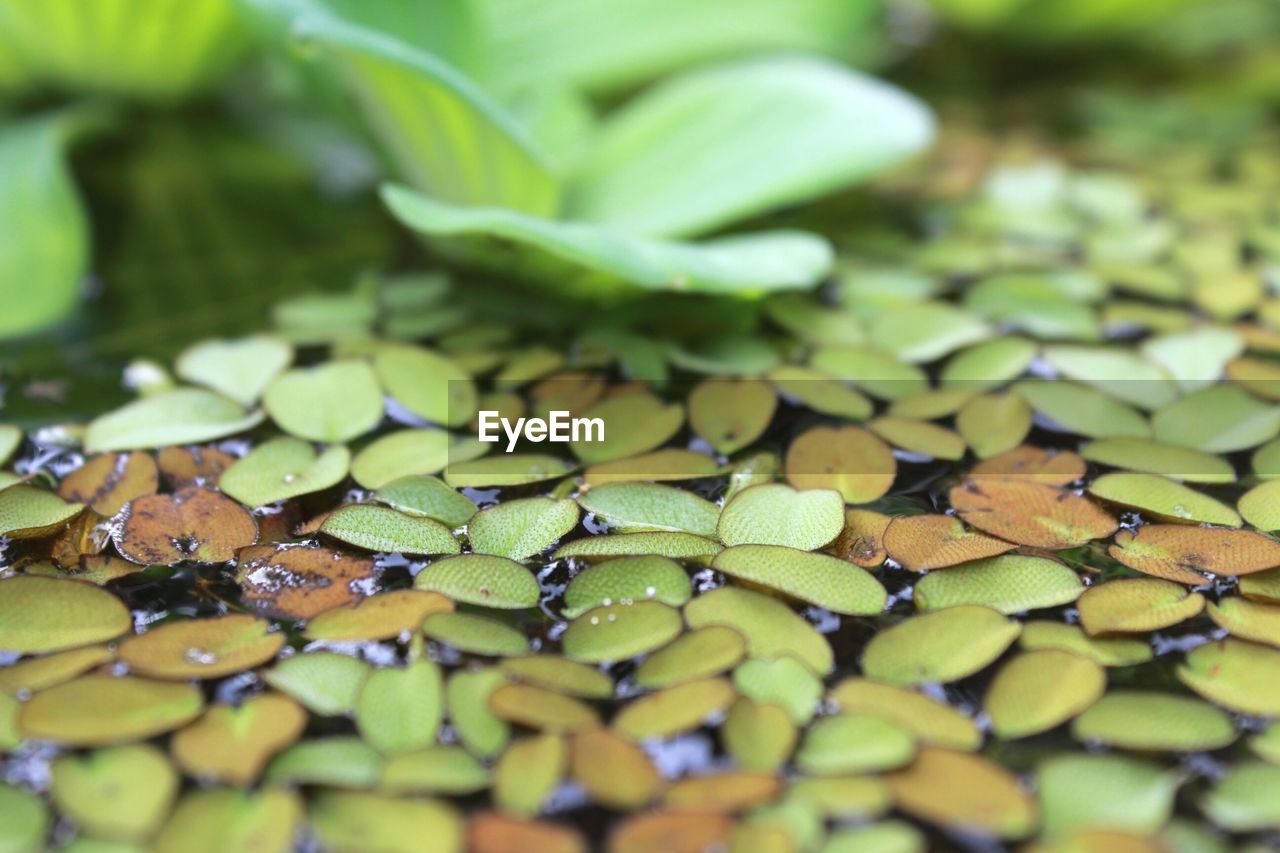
(719, 144)
(44, 232)
(602, 258)
(155, 50)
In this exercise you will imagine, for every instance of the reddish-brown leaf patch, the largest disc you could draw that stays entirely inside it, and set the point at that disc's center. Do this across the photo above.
(192, 524)
(108, 482)
(300, 581)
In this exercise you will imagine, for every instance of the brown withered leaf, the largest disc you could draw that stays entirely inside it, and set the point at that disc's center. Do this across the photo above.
(300, 581)
(192, 524)
(1034, 464)
(193, 466)
(663, 829)
(862, 540)
(920, 542)
(108, 482)
(1031, 513)
(494, 832)
(86, 535)
(1181, 553)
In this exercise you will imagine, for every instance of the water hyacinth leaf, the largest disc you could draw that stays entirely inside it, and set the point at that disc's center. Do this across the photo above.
(674, 710)
(1234, 674)
(853, 743)
(1030, 513)
(1037, 691)
(591, 257)
(121, 793)
(378, 617)
(940, 645)
(921, 542)
(376, 528)
(1156, 722)
(401, 454)
(560, 675)
(1108, 651)
(181, 416)
(1050, 466)
(1177, 463)
(675, 545)
(234, 744)
(918, 436)
(627, 579)
(759, 737)
(96, 710)
(50, 614)
(616, 184)
(615, 632)
(668, 464)
(700, 653)
(25, 818)
(990, 424)
(434, 770)
(615, 772)
(1133, 605)
(1260, 506)
(1221, 419)
(777, 514)
(302, 581)
(37, 673)
(239, 369)
(1248, 620)
(929, 720)
(481, 579)
(850, 460)
(1082, 410)
(818, 579)
(284, 468)
(1181, 553)
(467, 693)
(1245, 799)
(516, 469)
(107, 482)
(770, 627)
(1162, 498)
(399, 708)
(1090, 791)
(873, 370)
(202, 648)
(527, 772)
(325, 683)
(926, 331)
(519, 529)
(354, 820)
(1010, 584)
(729, 415)
(428, 497)
(631, 507)
(955, 789)
(426, 383)
(333, 402)
(782, 681)
(477, 635)
(27, 512)
(192, 523)
(338, 761)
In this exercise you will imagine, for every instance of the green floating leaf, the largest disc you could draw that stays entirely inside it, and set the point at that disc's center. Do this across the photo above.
(1178, 463)
(1260, 506)
(1221, 419)
(232, 743)
(853, 743)
(674, 710)
(426, 383)
(481, 579)
(887, 836)
(1246, 799)
(428, 497)
(1091, 791)
(817, 579)
(94, 710)
(356, 820)
(182, 416)
(1154, 722)
(634, 423)
(477, 635)
(1082, 410)
(519, 529)
(677, 546)
(770, 627)
(333, 402)
(1108, 651)
(378, 617)
(546, 710)
(918, 436)
(941, 645)
(399, 454)
(926, 331)
(929, 720)
(627, 579)
(1133, 605)
(527, 772)
(776, 514)
(877, 372)
(1036, 691)
(122, 793)
(1116, 372)
(758, 737)
(994, 423)
(1248, 620)
(593, 257)
(37, 673)
(615, 632)
(1163, 498)
(338, 762)
(1010, 584)
(560, 675)
(283, 468)
(10, 438)
(467, 698)
(239, 369)
(782, 681)
(515, 469)
(731, 414)
(1234, 674)
(697, 654)
(25, 820)
(326, 683)
(649, 506)
(989, 364)
(1194, 358)
(820, 392)
(48, 614)
(214, 819)
(434, 770)
(202, 648)
(376, 528)
(399, 709)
